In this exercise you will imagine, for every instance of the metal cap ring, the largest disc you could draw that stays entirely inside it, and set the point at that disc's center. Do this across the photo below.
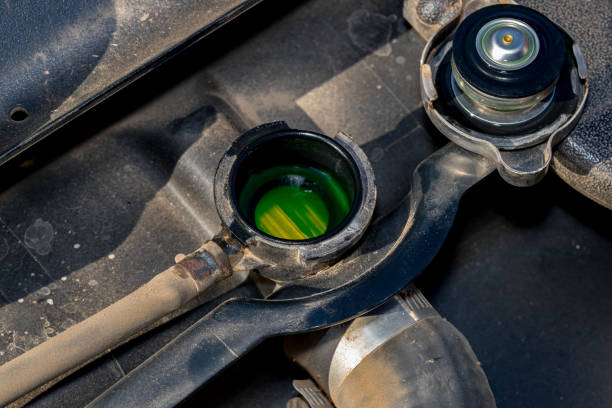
(507, 44)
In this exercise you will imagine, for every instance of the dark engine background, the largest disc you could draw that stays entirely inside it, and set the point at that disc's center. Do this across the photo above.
(98, 208)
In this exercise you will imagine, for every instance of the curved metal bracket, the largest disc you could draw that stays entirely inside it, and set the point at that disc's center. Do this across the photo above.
(238, 325)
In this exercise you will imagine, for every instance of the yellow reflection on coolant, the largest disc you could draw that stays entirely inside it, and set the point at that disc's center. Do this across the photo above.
(292, 213)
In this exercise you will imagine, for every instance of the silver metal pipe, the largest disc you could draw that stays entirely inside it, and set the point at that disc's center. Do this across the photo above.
(403, 354)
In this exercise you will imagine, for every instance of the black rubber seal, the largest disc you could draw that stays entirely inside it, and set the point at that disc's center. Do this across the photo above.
(533, 78)
(259, 139)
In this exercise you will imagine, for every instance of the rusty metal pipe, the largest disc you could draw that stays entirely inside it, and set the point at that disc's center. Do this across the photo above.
(166, 293)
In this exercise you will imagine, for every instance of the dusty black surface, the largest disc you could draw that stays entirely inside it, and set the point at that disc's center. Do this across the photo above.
(524, 274)
(59, 59)
(584, 158)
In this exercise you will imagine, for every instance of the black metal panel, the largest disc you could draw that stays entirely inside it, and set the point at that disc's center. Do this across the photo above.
(46, 50)
(58, 59)
(584, 158)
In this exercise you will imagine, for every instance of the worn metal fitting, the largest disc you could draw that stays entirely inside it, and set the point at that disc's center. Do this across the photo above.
(507, 83)
(208, 263)
(507, 44)
(473, 99)
(272, 160)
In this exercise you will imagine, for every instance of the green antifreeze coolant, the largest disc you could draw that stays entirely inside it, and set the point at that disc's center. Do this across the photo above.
(294, 202)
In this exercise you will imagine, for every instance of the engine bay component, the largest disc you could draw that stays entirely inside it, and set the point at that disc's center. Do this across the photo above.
(296, 199)
(508, 44)
(349, 288)
(69, 68)
(358, 261)
(165, 296)
(400, 354)
(300, 166)
(507, 83)
(296, 187)
(312, 397)
(505, 66)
